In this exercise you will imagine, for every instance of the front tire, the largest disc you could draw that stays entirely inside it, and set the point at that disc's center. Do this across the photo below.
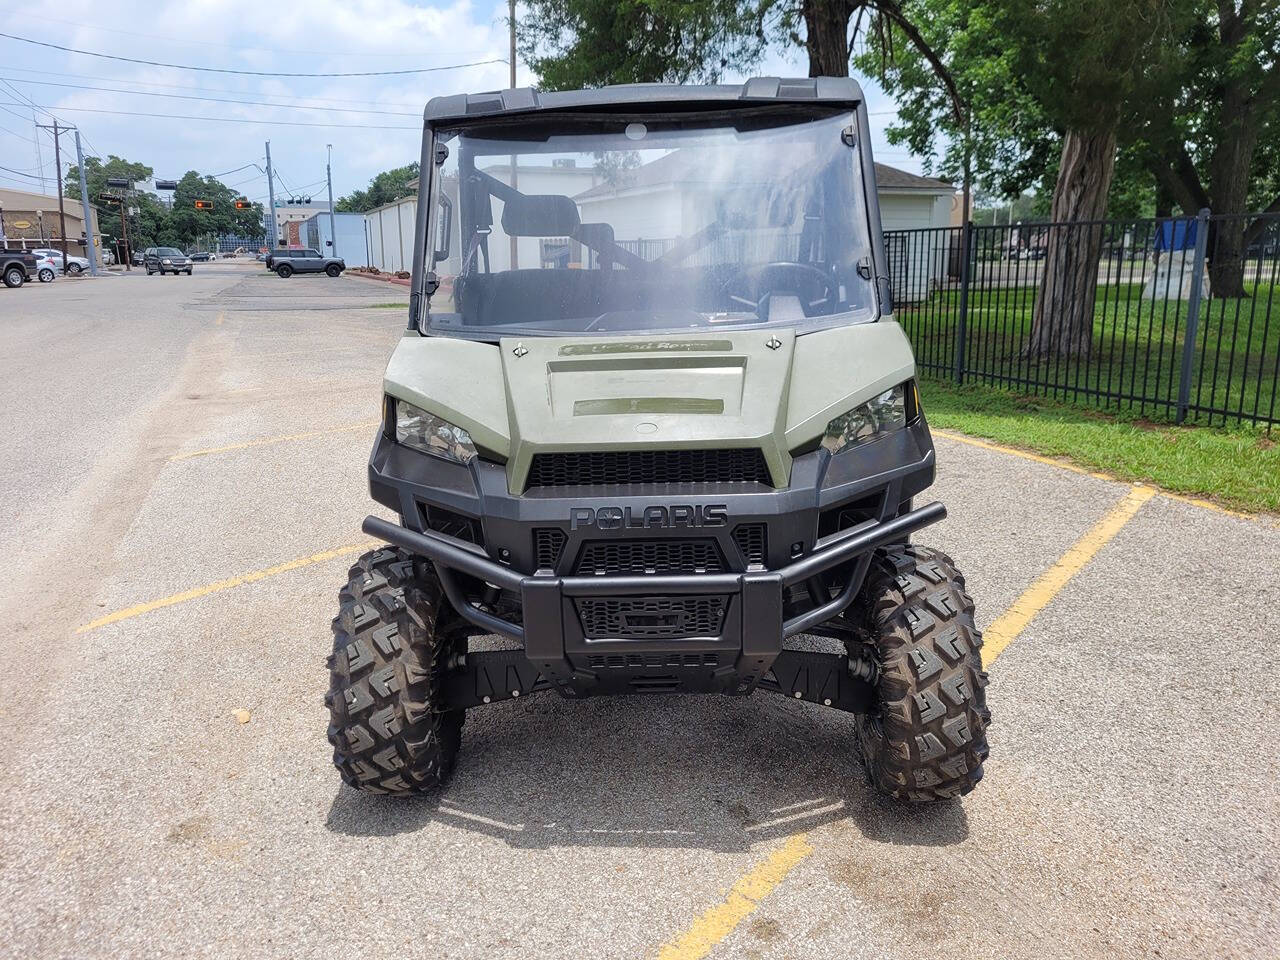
(15, 277)
(284, 271)
(333, 270)
(386, 675)
(928, 738)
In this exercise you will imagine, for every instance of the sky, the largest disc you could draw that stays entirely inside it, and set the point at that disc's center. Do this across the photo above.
(373, 123)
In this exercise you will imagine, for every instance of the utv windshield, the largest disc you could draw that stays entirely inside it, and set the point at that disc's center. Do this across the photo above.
(629, 223)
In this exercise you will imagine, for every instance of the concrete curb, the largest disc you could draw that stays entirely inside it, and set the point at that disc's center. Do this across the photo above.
(385, 278)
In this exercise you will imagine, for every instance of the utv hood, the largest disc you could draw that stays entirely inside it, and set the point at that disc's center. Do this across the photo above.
(764, 389)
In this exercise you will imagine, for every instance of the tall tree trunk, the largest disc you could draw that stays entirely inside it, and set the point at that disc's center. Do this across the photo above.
(1062, 323)
(826, 25)
(1229, 187)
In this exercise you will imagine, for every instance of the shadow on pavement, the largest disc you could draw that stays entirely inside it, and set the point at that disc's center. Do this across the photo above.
(688, 772)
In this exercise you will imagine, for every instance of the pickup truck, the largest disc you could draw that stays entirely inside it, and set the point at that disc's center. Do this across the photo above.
(17, 267)
(288, 262)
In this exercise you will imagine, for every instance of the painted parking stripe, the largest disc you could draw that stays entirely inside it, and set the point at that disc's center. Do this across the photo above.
(746, 895)
(245, 578)
(1049, 584)
(717, 923)
(267, 440)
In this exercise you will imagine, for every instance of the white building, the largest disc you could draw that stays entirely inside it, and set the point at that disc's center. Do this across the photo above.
(291, 219)
(658, 197)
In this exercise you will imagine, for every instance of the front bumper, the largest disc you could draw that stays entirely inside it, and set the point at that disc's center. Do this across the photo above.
(753, 627)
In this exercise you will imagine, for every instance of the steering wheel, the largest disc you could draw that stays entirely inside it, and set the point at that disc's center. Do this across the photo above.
(813, 287)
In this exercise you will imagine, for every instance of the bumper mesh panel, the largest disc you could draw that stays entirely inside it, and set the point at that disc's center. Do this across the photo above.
(752, 541)
(648, 466)
(650, 556)
(548, 544)
(651, 618)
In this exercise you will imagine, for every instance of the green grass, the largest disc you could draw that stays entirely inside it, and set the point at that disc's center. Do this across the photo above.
(1136, 352)
(1238, 467)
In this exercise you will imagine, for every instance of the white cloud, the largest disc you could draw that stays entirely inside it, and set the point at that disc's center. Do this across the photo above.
(330, 36)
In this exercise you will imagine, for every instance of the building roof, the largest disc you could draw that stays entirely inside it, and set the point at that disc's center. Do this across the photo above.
(891, 178)
(674, 168)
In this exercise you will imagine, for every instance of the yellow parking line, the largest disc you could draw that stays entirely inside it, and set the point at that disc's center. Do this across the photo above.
(746, 895)
(266, 440)
(1037, 596)
(1097, 474)
(253, 577)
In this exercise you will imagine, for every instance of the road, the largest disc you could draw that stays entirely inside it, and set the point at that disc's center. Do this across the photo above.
(182, 439)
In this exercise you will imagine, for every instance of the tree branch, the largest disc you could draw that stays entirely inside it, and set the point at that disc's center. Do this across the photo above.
(1254, 230)
(893, 11)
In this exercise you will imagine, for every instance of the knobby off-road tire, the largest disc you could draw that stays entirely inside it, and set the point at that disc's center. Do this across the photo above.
(385, 678)
(928, 738)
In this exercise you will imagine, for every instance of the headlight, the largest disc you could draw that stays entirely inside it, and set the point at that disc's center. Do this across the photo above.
(166, 260)
(426, 432)
(874, 419)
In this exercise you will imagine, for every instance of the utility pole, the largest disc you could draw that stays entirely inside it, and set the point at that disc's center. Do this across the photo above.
(271, 200)
(62, 213)
(328, 175)
(84, 203)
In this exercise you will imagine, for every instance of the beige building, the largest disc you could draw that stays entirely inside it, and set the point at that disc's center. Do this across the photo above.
(29, 220)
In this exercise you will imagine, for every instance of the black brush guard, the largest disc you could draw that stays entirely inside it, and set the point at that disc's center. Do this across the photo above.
(748, 653)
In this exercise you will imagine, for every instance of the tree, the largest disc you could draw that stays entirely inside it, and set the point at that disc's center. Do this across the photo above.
(386, 187)
(1207, 119)
(590, 43)
(179, 226)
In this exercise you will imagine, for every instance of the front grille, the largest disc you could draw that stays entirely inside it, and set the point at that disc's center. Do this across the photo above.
(651, 661)
(651, 618)
(548, 544)
(650, 556)
(752, 542)
(648, 466)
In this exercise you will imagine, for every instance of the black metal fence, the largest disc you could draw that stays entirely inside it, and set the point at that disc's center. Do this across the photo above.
(1183, 323)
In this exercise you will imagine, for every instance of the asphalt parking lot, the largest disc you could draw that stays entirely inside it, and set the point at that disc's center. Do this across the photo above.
(202, 442)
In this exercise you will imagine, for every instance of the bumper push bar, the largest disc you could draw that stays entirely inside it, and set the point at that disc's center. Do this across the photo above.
(761, 624)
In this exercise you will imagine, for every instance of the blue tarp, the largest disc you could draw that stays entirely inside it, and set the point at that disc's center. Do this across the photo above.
(1176, 235)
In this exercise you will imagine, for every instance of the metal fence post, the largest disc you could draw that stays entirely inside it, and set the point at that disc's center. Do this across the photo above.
(962, 323)
(1193, 313)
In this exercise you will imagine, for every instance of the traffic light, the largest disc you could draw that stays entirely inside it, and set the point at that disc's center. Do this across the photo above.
(204, 204)
(243, 204)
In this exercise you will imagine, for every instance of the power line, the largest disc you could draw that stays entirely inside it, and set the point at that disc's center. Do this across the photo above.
(181, 116)
(182, 86)
(16, 134)
(209, 43)
(29, 176)
(187, 96)
(250, 73)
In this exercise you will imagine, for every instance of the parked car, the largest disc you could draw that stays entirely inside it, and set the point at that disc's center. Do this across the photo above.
(17, 267)
(165, 260)
(201, 256)
(288, 262)
(46, 269)
(136, 258)
(73, 265)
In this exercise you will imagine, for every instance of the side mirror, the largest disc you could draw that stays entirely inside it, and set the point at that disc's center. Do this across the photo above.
(444, 228)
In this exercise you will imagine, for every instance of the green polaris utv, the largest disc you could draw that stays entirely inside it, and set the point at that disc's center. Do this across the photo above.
(651, 419)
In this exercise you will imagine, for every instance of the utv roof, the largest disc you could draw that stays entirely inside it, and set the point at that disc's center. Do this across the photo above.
(529, 100)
